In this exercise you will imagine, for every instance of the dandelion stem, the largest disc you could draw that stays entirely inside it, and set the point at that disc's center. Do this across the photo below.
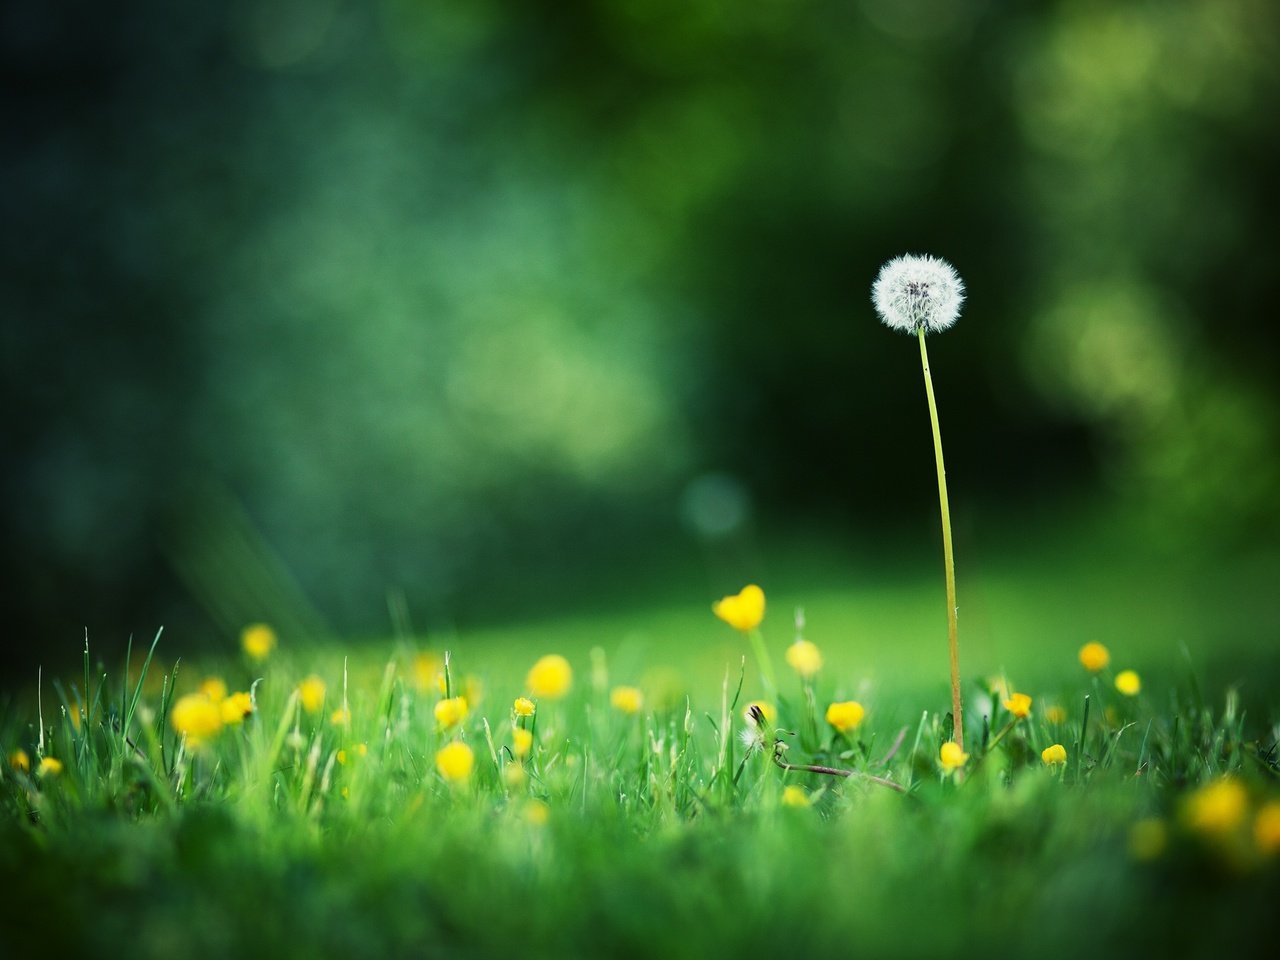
(953, 640)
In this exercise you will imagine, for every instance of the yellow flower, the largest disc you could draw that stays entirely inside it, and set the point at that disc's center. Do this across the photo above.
(1217, 808)
(794, 796)
(1128, 683)
(451, 712)
(473, 689)
(1147, 839)
(513, 775)
(523, 707)
(428, 672)
(49, 767)
(768, 709)
(1094, 657)
(235, 708)
(341, 717)
(1266, 828)
(20, 761)
(743, 610)
(550, 677)
(804, 658)
(362, 749)
(1054, 755)
(342, 758)
(1019, 704)
(951, 757)
(521, 741)
(845, 716)
(196, 716)
(536, 813)
(627, 699)
(258, 641)
(1055, 714)
(214, 689)
(311, 691)
(455, 761)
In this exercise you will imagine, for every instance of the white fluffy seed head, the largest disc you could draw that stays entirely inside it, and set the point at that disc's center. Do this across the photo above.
(918, 292)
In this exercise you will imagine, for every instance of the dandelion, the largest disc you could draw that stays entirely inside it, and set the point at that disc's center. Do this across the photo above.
(1055, 714)
(794, 796)
(258, 640)
(743, 610)
(1266, 828)
(626, 700)
(1054, 756)
(952, 757)
(214, 688)
(1217, 808)
(1094, 657)
(455, 761)
(1128, 683)
(49, 767)
(753, 733)
(1148, 838)
(804, 658)
(235, 708)
(1019, 704)
(767, 710)
(523, 707)
(196, 717)
(19, 761)
(551, 677)
(451, 712)
(311, 692)
(923, 294)
(845, 716)
(521, 742)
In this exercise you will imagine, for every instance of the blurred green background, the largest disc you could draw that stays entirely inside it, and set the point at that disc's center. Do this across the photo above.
(438, 315)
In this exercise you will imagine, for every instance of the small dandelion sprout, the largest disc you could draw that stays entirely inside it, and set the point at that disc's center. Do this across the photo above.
(523, 707)
(628, 700)
(951, 757)
(913, 293)
(743, 610)
(311, 692)
(48, 767)
(794, 796)
(550, 678)
(846, 715)
(258, 640)
(804, 658)
(1019, 704)
(1129, 683)
(19, 761)
(1054, 756)
(451, 712)
(1217, 808)
(1094, 657)
(455, 761)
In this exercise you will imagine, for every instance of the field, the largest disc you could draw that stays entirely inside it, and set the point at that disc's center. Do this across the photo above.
(327, 814)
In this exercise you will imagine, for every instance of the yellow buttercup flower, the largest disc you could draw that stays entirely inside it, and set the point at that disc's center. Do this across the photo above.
(804, 658)
(235, 708)
(214, 688)
(455, 761)
(19, 760)
(258, 640)
(49, 767)
(521, 742)
(951, 757)
(1128, 683)
(1266, 828)
(514, 776)
(362, 749)
(551, 677)
(845, 716)
(341, 757)
(1054, 755)
(1055, 714)
(769, 711)
(523, 707)
(1148, 838)
(451, 712)
(196, 717)
(341, 717)
(794, 796)
(311, 692)
(1019, 704)
(1217, 808)
(1094, 657)
(536, 813)
(627, 699)
(743, 610)
(428, 672)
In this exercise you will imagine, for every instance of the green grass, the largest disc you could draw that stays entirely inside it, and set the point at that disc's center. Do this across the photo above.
(660, 838)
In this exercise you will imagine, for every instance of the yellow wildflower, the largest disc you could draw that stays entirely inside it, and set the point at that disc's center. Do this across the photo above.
(743, 610)
(521, 741)
(1054, 755)
(341, 758)
(1094, 657)
(235, 708)
(1217, 808)
(1148, 838)
(523, 707)
(769, 711)
(451, 712)
(49, 767)
(1055, 714)
(362, 749)
(804, 658)
(845, 716)
(513, 775)
(311, 691)
(951, 757)
(214, 689)
(627, 699)
(19, 760)
(455, 761)
(1266, 828)
(1128, 683)
(550, 677)
(536, 813)
(258, 641)
(794, 796)
(196, 716)
(341, 717)
(428, 672)
(1019, 704)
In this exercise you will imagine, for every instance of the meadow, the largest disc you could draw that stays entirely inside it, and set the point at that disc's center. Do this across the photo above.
(598, 785)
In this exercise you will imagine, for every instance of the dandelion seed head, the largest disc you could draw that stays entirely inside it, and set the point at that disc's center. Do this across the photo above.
(914, 292)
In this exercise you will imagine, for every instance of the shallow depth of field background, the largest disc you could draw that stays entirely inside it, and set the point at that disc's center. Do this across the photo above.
(542, 325)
